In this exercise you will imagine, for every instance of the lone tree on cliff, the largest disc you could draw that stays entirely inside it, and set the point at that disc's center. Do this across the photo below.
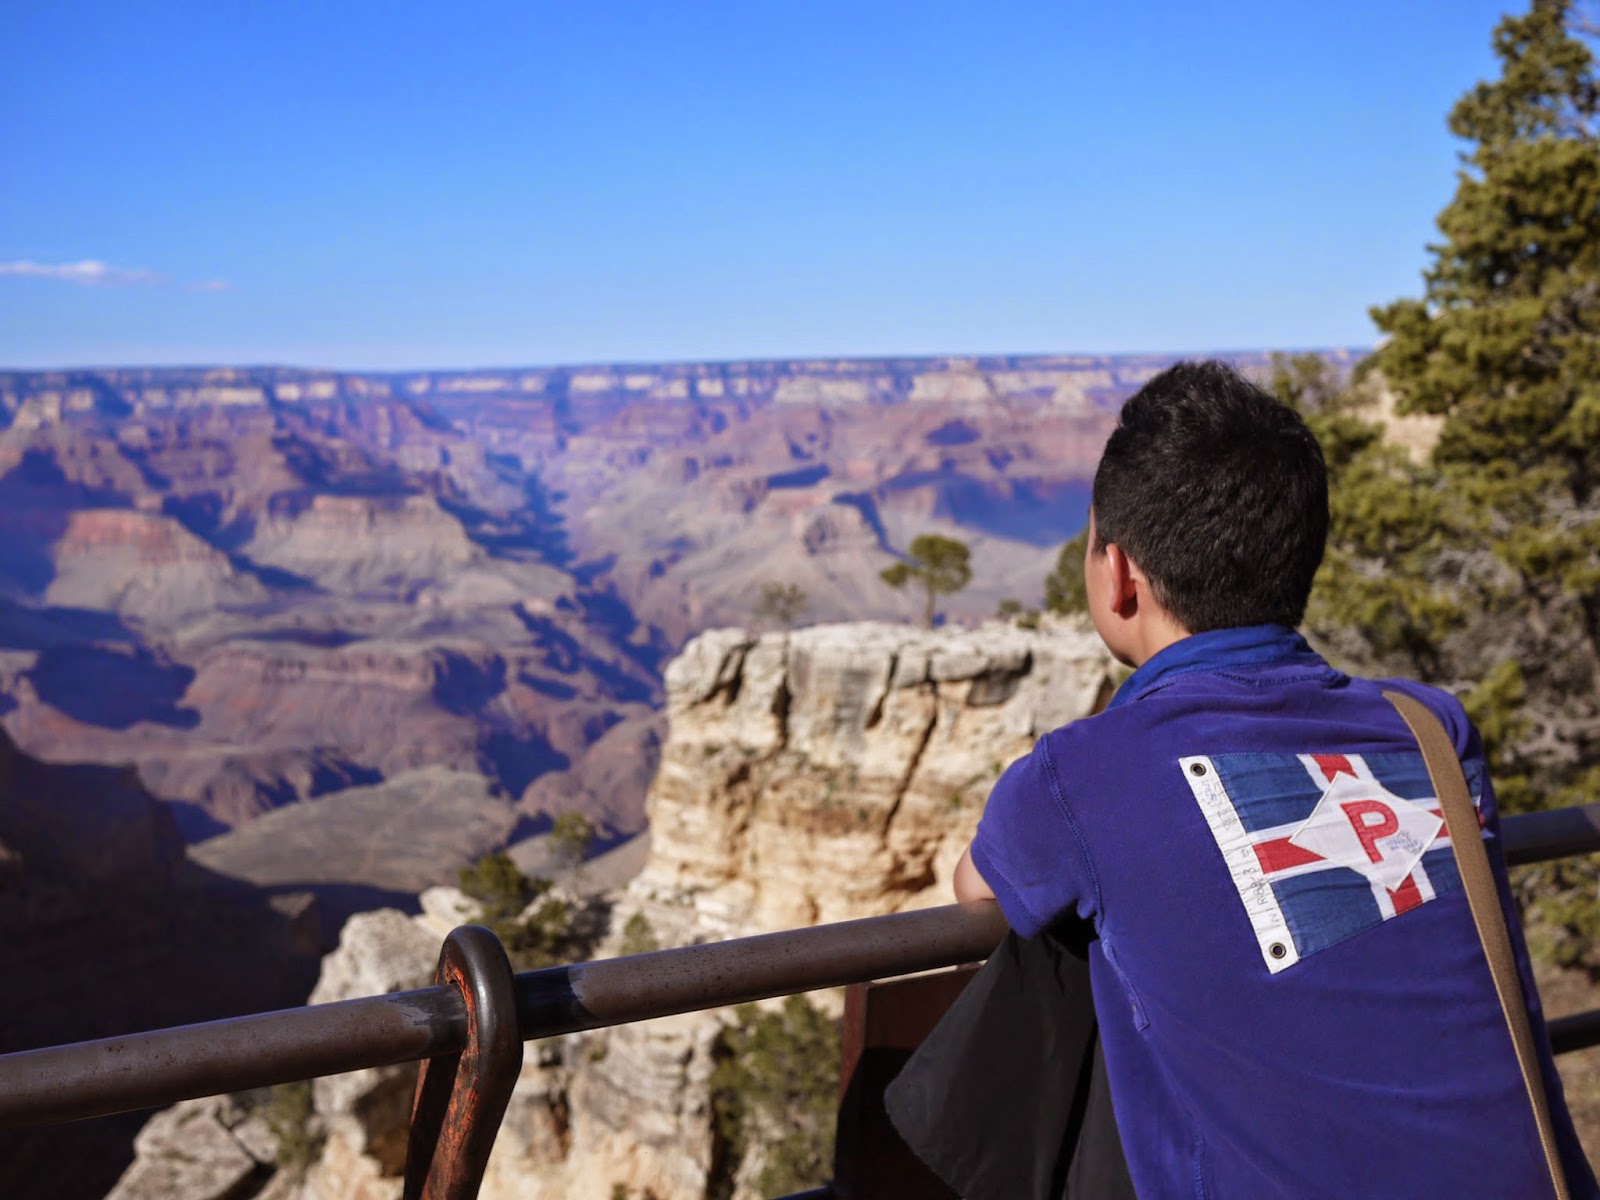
(941, 565)
(782, 603)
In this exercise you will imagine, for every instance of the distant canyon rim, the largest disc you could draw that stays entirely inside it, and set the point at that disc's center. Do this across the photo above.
(265, 586)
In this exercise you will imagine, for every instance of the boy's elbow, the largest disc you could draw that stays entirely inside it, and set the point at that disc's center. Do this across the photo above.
(969, 884)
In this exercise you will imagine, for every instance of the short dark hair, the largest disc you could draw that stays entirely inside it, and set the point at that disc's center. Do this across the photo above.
(1219, 493)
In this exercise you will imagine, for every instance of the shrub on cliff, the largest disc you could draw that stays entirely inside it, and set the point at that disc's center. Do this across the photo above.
(291, 1115)
(1019, 614)
(571, 836)
(774, 1091)
(495, 882)
(1063, 587)
(638, 936)
(554, 932)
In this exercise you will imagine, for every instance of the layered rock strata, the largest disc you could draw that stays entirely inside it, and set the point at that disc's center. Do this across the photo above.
(689, 484)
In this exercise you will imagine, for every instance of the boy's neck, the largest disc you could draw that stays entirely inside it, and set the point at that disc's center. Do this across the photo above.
(1144, 639)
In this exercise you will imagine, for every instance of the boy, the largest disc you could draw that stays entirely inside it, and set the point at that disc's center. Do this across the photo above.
(1286, 1008)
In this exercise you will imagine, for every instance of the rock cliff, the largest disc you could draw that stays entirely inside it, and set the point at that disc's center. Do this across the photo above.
(838, 771)
(831, 773)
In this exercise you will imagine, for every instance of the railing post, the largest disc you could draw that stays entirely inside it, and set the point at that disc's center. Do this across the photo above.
(461, 1098)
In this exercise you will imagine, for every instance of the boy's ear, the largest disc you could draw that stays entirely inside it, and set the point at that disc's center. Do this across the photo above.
(1121, 582)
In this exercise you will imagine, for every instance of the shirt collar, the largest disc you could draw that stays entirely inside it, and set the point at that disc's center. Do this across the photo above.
(1213, 650)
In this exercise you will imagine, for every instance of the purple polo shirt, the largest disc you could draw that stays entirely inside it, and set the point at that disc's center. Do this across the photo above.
(1292, 997)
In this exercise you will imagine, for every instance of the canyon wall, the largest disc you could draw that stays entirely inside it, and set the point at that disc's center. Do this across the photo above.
(262, 586)
(110, 929)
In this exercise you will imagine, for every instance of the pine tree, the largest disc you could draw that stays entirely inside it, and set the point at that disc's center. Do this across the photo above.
(941, 565)
(1479, 569)
(1504, 343)
(1384, 597)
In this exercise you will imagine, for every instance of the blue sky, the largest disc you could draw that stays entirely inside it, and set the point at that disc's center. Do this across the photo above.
(393, 185)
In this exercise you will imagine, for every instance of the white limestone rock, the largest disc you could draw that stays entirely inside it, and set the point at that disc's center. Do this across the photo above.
(189, 1152)
(826, 774)
(382, 951)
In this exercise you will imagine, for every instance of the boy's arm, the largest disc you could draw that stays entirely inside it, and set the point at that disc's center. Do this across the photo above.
(1026, 852)
(970, 885)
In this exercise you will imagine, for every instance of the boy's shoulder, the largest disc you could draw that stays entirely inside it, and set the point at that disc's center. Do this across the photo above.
(1232, 710)
(1445, 705)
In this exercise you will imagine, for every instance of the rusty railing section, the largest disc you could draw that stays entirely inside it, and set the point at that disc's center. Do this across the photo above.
(469, 1027)
(150, 1070)
(461, 1098)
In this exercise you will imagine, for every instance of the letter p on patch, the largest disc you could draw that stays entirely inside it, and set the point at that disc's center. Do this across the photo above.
(1362, 825)
(1371, 819)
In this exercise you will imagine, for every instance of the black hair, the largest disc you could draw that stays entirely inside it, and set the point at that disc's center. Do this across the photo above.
(1219, 493)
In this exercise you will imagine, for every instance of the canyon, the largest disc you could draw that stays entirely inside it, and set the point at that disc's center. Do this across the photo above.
(109, 926)
(344, 633)
(264, 587)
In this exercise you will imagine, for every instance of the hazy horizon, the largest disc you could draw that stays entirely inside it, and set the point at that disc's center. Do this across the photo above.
(595, 364)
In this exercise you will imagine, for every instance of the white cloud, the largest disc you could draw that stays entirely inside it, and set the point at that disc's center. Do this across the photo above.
(89, 272)
(211, 285)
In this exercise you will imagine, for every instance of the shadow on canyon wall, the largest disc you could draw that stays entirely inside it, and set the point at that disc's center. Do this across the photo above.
(27, 628)
(113, 688)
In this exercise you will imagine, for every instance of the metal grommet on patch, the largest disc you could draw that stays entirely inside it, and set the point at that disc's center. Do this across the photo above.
(1274, 940)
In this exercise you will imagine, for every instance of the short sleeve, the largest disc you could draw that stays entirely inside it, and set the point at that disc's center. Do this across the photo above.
(1028, 847)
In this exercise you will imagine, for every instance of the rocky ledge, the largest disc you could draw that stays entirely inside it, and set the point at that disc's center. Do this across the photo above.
(838, 771)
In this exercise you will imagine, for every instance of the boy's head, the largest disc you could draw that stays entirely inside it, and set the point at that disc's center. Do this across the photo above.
(1218, 494)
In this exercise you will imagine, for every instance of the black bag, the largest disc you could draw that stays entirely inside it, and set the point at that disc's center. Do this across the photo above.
(1007, 1098)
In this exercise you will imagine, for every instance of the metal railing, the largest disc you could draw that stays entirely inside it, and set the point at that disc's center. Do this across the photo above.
(469, 1027)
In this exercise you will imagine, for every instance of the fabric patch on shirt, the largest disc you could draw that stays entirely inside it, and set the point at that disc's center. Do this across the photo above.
(1323, 846)
(1362, 825)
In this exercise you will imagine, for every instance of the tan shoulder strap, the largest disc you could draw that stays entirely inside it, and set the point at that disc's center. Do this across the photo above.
(1450, 785)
